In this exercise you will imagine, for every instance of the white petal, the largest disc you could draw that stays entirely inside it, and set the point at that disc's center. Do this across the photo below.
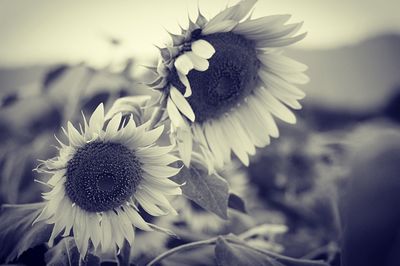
(264, 117)
(280, 42)
(271, 80)
(276, 107)
(185, 81)
(281, 63)
(243, 8)
(96, 121)
(241, 134)
(200, 64)
(159, 199)
(147, 205)
(160, 171)
(203, 49)
(71, 220)
(166, 189)
(74, 137)
(106, 230)
(160, 160)
(261, 24)
(275, 33)
(136, 219)
(226, 14)
(185, 144)
(296, 78)
(174, 114)
(57, 176)
(113, 126)
(154, 151)
(94, 229)
(183, 64)
(233, 140)
(182, 104)
(252, 126)
(223, 26)
(149, 137)
(287, 99)
(125, 226)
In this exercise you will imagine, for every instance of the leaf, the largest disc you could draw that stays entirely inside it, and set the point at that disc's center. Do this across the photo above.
(65, 253)
(208, 191)
(231, 250)
(231, 254)
(17, 234)
(235, 202)
(53, 75)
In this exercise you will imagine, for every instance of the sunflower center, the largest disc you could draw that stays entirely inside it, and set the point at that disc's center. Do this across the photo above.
(102, 176)
(231, 76)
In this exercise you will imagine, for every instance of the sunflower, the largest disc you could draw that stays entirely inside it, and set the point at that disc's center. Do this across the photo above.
(99, 178)
(225, 80)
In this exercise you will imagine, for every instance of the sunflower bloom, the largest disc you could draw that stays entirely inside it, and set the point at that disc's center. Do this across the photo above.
(226, 80)
(101, 176)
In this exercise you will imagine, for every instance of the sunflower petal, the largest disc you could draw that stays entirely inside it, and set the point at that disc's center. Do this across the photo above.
(182, 104)
(203, 49)
(183, 64)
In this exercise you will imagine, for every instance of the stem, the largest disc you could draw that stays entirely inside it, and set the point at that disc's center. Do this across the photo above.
(243, 235)
(182, 248)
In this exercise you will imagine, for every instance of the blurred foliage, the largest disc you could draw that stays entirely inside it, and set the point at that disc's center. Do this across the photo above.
(293, 186)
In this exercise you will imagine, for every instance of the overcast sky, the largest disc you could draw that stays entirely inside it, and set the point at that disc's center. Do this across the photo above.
(49, 31)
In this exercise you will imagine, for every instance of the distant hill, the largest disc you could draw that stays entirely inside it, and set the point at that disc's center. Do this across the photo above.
(357, 78)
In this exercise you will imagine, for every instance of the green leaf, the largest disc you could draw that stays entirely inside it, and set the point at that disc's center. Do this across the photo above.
(232, 254)
(235, 202)
(65, 253)
(17, 234)
(208, 191)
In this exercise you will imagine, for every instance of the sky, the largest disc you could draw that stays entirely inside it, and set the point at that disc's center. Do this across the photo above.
(54, 31)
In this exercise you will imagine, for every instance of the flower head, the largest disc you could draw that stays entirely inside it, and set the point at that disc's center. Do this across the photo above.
(225, 80)
(99, 178)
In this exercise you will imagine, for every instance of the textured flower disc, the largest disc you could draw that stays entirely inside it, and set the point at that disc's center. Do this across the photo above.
(102, 176)
(231, 76)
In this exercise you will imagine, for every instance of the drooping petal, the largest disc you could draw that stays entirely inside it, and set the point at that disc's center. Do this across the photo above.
(182, 104)
(183, 64)
(199, 63)
(203, 49)
(174, 114)
(185, 81)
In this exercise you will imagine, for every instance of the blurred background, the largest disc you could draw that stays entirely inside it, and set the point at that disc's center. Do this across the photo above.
(57, 58)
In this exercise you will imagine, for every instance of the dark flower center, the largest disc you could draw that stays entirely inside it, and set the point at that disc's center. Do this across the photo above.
(231, 76)
(102, 176)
